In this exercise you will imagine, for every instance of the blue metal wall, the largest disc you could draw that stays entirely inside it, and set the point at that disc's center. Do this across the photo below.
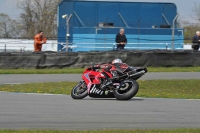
(140, 17)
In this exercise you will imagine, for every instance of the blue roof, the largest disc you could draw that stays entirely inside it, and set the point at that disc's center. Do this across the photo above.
(146, 1)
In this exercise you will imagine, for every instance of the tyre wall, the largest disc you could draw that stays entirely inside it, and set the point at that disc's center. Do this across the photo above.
(83, 59)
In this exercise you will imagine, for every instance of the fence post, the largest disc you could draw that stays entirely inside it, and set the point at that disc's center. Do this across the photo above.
(70, 48)
(173, 31)
(114, 46)
(166, 46)
(61, 47)
(5, 48)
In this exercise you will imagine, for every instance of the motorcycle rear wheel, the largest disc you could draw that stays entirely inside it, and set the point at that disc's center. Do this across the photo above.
(129, 91)
(79, 91)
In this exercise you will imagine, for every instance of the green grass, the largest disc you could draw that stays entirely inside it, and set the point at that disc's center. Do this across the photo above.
(42, 71)
(151, 89)
(51, 88)
(105, 131)
(80, 70)
(170, 89)
(174, 69)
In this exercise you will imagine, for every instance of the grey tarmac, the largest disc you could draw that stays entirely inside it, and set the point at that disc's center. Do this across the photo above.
(37, 111)
(36, 78)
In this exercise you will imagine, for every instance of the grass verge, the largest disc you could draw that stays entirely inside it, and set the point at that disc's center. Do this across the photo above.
(188, 89)
(42, 71)
(174, 69)
(80, 70)
(105, 131)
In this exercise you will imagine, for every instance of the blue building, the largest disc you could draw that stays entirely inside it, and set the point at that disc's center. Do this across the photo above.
(94, 24)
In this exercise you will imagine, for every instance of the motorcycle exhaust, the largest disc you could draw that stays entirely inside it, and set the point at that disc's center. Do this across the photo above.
(128, 75)
(138, 73)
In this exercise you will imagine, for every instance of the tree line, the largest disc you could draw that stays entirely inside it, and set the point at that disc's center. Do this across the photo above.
(36, 15)
(191, 28)
(42, 15)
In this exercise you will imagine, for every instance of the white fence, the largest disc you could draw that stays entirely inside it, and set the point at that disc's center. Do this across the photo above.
(17, 45)
(106, 46)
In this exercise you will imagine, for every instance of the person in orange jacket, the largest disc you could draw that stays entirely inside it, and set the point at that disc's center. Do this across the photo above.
(39, 40)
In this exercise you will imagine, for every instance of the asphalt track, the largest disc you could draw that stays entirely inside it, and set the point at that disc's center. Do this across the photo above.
(35, 78)
(36, 111)
(33, 111)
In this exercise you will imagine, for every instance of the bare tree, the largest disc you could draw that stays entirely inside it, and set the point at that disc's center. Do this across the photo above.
(8, 27)
(191, 28)
(38, 15)
(16, 29)
(196, 11)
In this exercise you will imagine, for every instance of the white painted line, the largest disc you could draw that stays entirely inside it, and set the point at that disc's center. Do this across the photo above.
(170, 98)
(34, 93)
(46, 94)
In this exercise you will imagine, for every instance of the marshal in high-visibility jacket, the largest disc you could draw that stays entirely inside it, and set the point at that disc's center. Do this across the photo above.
(39, 40)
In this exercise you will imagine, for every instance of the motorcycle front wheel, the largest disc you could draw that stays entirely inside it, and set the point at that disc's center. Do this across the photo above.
(79, 91)
(128, 91)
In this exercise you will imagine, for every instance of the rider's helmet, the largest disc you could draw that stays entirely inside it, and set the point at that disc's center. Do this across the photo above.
(116, 61)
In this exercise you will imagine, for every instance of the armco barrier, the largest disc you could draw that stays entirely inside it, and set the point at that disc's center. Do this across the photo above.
(83, 59)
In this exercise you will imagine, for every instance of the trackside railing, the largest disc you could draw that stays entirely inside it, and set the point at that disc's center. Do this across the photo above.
(113, 46)
(21, 46)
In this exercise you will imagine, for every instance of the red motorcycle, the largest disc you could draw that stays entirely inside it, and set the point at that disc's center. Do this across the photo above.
(111, 81)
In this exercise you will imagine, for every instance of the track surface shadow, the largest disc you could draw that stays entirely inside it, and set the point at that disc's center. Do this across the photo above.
(112, 99)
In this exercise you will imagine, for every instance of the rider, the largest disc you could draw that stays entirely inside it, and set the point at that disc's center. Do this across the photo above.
(116, 63)
(107, 67)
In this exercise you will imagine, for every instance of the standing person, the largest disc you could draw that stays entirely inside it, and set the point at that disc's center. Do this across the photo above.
(121, 39)
(196, 41)
(39, 40)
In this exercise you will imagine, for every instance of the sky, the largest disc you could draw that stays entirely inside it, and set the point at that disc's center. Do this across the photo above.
(10, 7)
(185, 8)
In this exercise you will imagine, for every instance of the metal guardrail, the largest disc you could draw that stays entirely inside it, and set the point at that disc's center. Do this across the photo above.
(20, 46)
(164, 46)
(6, 46)
(114, 46)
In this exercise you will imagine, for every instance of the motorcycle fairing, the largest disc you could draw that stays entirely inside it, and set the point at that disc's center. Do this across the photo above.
(92, 78)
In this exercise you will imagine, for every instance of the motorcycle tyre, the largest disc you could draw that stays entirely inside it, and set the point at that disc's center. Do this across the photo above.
(80, 96)
(130, 94)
